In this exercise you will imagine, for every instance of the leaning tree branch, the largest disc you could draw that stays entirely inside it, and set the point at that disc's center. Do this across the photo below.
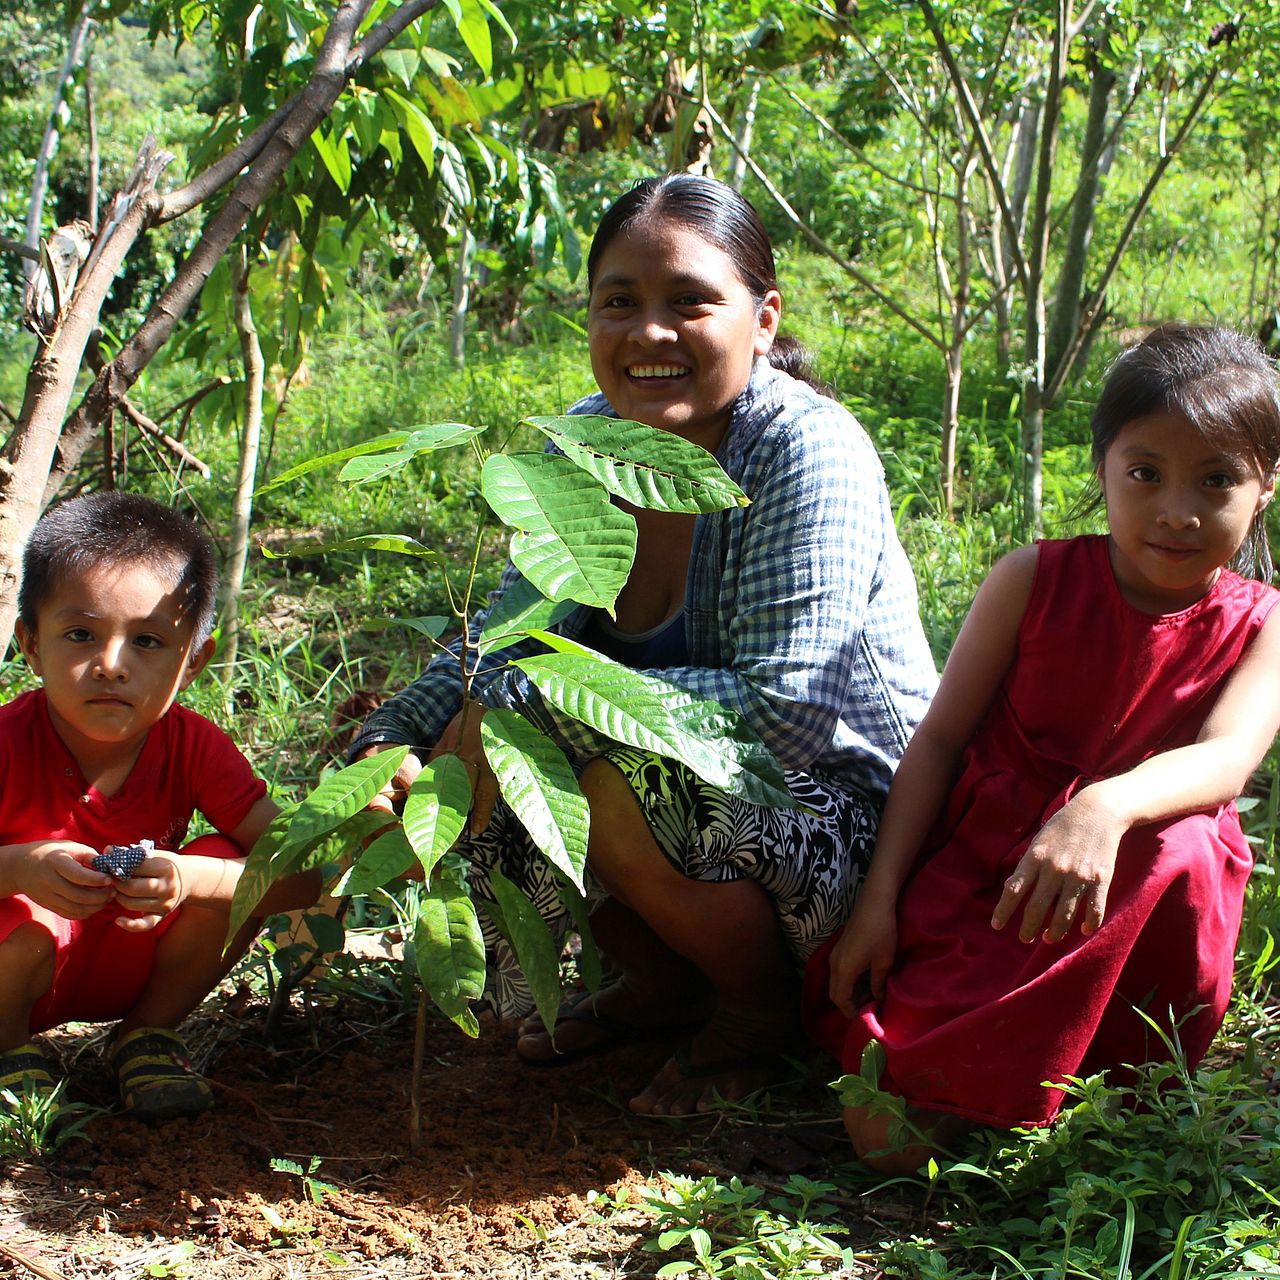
(816, 240)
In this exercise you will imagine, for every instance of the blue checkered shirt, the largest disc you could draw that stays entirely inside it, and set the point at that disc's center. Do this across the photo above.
(800, 609)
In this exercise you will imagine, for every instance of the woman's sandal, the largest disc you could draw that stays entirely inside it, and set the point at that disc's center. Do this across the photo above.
(156, 1078)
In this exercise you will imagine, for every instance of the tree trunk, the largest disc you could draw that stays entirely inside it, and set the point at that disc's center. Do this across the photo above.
(250, 441)
(743, 128)
(461, 299)
(49, 143)
(95, 160)
(1067, 298)
(1037, 258)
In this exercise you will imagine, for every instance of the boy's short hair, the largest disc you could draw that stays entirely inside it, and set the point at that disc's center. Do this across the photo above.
(112, 528)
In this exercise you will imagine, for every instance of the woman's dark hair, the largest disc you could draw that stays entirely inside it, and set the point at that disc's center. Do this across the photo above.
(1223, 383)
(721, 216)
(110, 529)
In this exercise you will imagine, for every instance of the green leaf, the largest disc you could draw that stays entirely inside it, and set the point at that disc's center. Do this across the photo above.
(379, 445)
(375, 466)
(430, 625)
(572, 543)
(401, 63)
(336, 155)
(436, 808)
(647, 467)
(656, 715)
(450, 952)
(589, 955)
(397, 542)
(326, 930)
(535, 948)
(520, 609)
(417, 124)
(497, 15)
(386, 859)
(473, 27)
(342, 795)
(539, 784)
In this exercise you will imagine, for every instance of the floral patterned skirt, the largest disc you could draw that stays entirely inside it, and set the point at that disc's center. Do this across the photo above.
(808, 860)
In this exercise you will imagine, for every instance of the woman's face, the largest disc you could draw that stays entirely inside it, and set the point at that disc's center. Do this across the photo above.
(674, 331)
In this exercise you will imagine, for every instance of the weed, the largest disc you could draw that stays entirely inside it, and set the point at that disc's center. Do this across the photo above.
(312, 1187)
(36, 1123)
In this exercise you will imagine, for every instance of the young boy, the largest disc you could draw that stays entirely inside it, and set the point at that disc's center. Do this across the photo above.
(116, 609)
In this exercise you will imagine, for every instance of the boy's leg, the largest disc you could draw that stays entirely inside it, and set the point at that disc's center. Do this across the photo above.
(26, 973)
(157, 1082)
(189, 963)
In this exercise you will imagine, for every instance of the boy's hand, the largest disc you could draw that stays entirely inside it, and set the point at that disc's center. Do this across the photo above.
(1065, 875)
(57, 875)
(154, 890)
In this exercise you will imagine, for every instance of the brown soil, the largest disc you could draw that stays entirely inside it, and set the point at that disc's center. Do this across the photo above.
(499, 1188)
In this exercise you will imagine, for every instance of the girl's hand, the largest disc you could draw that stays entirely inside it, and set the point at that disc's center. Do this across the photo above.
(1065, 874)
(391, 798)
(462, 737)
(867, 946)
(57, 875)
(154, 890)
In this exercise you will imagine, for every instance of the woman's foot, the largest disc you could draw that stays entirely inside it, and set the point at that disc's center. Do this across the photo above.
(739, 1052)
(620, 1012)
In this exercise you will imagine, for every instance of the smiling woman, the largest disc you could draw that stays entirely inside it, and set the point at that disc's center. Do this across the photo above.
(798, 612)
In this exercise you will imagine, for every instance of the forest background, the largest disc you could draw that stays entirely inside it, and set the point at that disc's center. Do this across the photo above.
(974, 207)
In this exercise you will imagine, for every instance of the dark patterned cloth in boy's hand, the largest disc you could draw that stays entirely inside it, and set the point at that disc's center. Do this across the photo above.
(122, 860)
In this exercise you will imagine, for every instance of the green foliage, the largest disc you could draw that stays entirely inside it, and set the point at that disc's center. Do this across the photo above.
(35, 1123)
(567, 544)
(737, 1231)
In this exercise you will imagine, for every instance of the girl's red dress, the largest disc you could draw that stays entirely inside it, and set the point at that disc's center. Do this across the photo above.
(973, 1021)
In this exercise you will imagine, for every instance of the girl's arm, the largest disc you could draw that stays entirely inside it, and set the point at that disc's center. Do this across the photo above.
(1070, 863)
(983, 653)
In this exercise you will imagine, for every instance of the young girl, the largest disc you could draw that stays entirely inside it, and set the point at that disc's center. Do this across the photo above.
(1060, 848)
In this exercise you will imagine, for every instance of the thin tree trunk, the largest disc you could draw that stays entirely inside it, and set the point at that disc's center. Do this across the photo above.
(95, 160)
(250, 441)
(1033, 393)
(49, 143)
(461, 299)
(743, 129)
(1066, 307)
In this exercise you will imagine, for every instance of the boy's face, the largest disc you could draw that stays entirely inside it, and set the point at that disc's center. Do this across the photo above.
(114, 649)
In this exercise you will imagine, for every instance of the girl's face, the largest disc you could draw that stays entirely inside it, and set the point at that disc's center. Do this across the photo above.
(674, 331)
(1178, 510)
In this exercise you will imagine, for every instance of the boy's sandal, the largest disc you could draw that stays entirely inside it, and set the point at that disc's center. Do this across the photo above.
(156, 1079)
(27, 1069)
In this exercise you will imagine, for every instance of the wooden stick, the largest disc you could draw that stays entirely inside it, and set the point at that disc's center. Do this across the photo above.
(32, 1264)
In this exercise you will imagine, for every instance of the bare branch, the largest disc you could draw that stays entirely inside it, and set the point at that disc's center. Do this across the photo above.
(20, 247)
(816, 240)
(218, 174)
(158, 433)
(974, 117)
